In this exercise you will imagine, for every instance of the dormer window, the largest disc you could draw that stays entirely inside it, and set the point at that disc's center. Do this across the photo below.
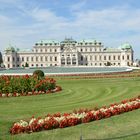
(46, 44)
(41, 44)
(36, 44)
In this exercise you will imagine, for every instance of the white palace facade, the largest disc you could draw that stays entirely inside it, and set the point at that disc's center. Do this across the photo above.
(68, 52)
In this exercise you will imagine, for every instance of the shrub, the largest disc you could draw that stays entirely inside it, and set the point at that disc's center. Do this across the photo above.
(25, 84)
(39, 73)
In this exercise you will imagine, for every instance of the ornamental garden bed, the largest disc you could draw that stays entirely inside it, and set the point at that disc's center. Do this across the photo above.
(99, 75)
(76, 117)
(15, 86)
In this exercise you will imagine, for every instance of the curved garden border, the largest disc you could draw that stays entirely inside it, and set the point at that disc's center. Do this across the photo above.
(57, 89)
(71, 119)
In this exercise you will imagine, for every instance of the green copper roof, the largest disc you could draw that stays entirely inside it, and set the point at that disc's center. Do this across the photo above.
(49, 41)
(24, 50)
(10, 48)
(126, 46)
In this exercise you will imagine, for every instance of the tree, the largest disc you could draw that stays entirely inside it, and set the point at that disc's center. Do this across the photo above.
(39, 73)
(1, 60)
(26, 64)
(108, 64)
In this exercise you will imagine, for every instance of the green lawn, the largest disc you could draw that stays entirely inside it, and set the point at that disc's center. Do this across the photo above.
(83, 93)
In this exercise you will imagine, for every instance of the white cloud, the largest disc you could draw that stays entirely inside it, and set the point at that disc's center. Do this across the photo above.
(112, 25)
(78, 6)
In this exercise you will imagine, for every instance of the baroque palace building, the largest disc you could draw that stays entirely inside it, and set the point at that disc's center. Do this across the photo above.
(69, 52)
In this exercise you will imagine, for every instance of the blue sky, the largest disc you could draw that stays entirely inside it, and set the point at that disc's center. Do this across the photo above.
(113, 22)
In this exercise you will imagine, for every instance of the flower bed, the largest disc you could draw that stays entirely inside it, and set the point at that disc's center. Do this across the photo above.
(14, 86)
(76, 117)
(99, 75)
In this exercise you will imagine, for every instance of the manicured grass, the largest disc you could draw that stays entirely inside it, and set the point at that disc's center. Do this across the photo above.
(82, 93)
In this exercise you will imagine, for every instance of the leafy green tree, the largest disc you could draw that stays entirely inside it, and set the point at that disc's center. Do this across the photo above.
(108, 64)
(1, 60)
(39, 73)
(26, 64)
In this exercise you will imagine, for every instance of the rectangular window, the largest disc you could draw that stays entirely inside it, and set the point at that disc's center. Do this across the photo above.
(41, 58)
(104, 57)
(50, 58)
(22, 59)
(13, 59)
(109, 57)
(46, 58)
(90, 49)
(114, 57)
(36, 58)
(55, 58)
(118, 57)
(90, 58)
(100, 57)
(81, 58)
(8, 59)
(95, 57)
(27, 59)
(86, 58)
(127, 57)
(32, 58)
(18, 59)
